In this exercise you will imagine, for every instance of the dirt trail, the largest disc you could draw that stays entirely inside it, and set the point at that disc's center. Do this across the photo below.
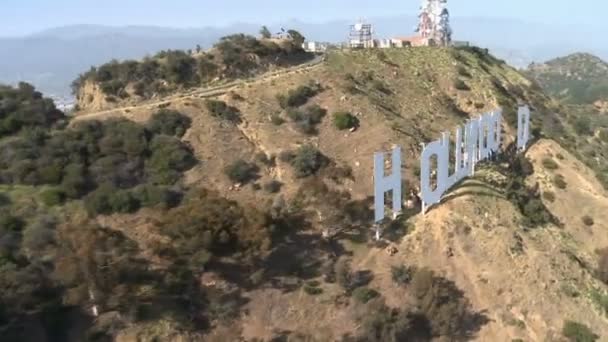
(201, 92)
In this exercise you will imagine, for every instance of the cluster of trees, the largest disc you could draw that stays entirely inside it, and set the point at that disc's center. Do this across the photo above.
(116, 165)
(25, 108)
(233, 56)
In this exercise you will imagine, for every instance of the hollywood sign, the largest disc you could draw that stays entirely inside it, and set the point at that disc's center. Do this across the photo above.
(479, 139)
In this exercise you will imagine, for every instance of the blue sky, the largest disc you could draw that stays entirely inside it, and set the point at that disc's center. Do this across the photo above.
(19, 17)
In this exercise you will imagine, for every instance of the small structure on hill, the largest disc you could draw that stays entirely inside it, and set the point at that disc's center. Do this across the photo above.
(312, 46)
(361, 36)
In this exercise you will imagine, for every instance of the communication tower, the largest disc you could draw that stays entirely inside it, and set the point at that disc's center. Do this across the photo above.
(361, 36)
(434, 22)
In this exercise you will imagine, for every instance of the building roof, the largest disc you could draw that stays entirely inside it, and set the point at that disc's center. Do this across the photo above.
(411, 39)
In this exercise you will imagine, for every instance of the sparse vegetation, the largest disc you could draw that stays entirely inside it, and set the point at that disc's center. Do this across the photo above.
(241, 171)
(588, 220)
(461, 85)
(402, 275)
(298, 96)
(306, 120)
(345, 120)
(549, 196)
(550, 164)
(307, 160)
(174, 69)
(364, 294)
(560, 182)
(577, 332)
(223, 111)
(169, 122)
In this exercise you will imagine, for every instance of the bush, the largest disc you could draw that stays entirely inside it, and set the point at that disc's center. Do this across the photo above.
(577, 332)
(307, 120)
(343, 273)
(5, 200)
(344, 120)
(273, 186)
(560, 182)
(241, 171)
(299, 96)
(277, 120)
(53, 197)
(550, 164)
(364, 294)
(461, 85)
(307, 161)
(10, 223)
(312, 290)
(462, 71)
(221, 110)
(151, 195)
(549, 196)
(402, 275)
(169, 122)
(602, 270)
(588, 220)
(582, 126)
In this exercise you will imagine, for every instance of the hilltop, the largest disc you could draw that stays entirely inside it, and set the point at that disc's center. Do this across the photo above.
(242, 211)
(580, 78)
(235, 56)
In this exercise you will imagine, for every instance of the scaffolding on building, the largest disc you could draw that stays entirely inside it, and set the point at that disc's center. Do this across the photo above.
(361, 36)
(434, 22)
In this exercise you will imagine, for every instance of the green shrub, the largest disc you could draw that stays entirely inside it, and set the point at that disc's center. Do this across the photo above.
(461, 85)
(273, 186)
(550, 164)
(299, 96)
(549, 196)
(344, 120)
(402, 275)
(588, 220)
(582, 125)
(10, 223)
(307, 161)
(5, 200)
(306, 120)
(560, 182)
(312, 290)
(151, 195)
(364, 294)
(169, 122)
(53, 197)
(263, 158)
(277, 120)
(462, 71)
(577, 332)
(241, 171)
(223, 111)
(602, 269)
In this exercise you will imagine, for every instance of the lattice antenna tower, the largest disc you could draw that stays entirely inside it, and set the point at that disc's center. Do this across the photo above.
(361, 35)
(434, 21)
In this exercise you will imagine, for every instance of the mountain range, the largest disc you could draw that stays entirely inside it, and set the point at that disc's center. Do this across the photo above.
(51, 59)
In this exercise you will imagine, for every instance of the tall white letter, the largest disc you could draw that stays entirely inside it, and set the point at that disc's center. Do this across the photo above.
(383, 184)
(429, 196)
(523, 127)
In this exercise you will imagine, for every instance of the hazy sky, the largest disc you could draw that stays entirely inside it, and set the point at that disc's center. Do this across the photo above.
(19, 17)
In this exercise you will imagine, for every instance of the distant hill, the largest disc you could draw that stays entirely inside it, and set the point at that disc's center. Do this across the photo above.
(580, 78)
(53, 58)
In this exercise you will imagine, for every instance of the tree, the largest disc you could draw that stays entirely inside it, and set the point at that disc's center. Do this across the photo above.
(297, 38)
(198, 48)
(265, 32)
